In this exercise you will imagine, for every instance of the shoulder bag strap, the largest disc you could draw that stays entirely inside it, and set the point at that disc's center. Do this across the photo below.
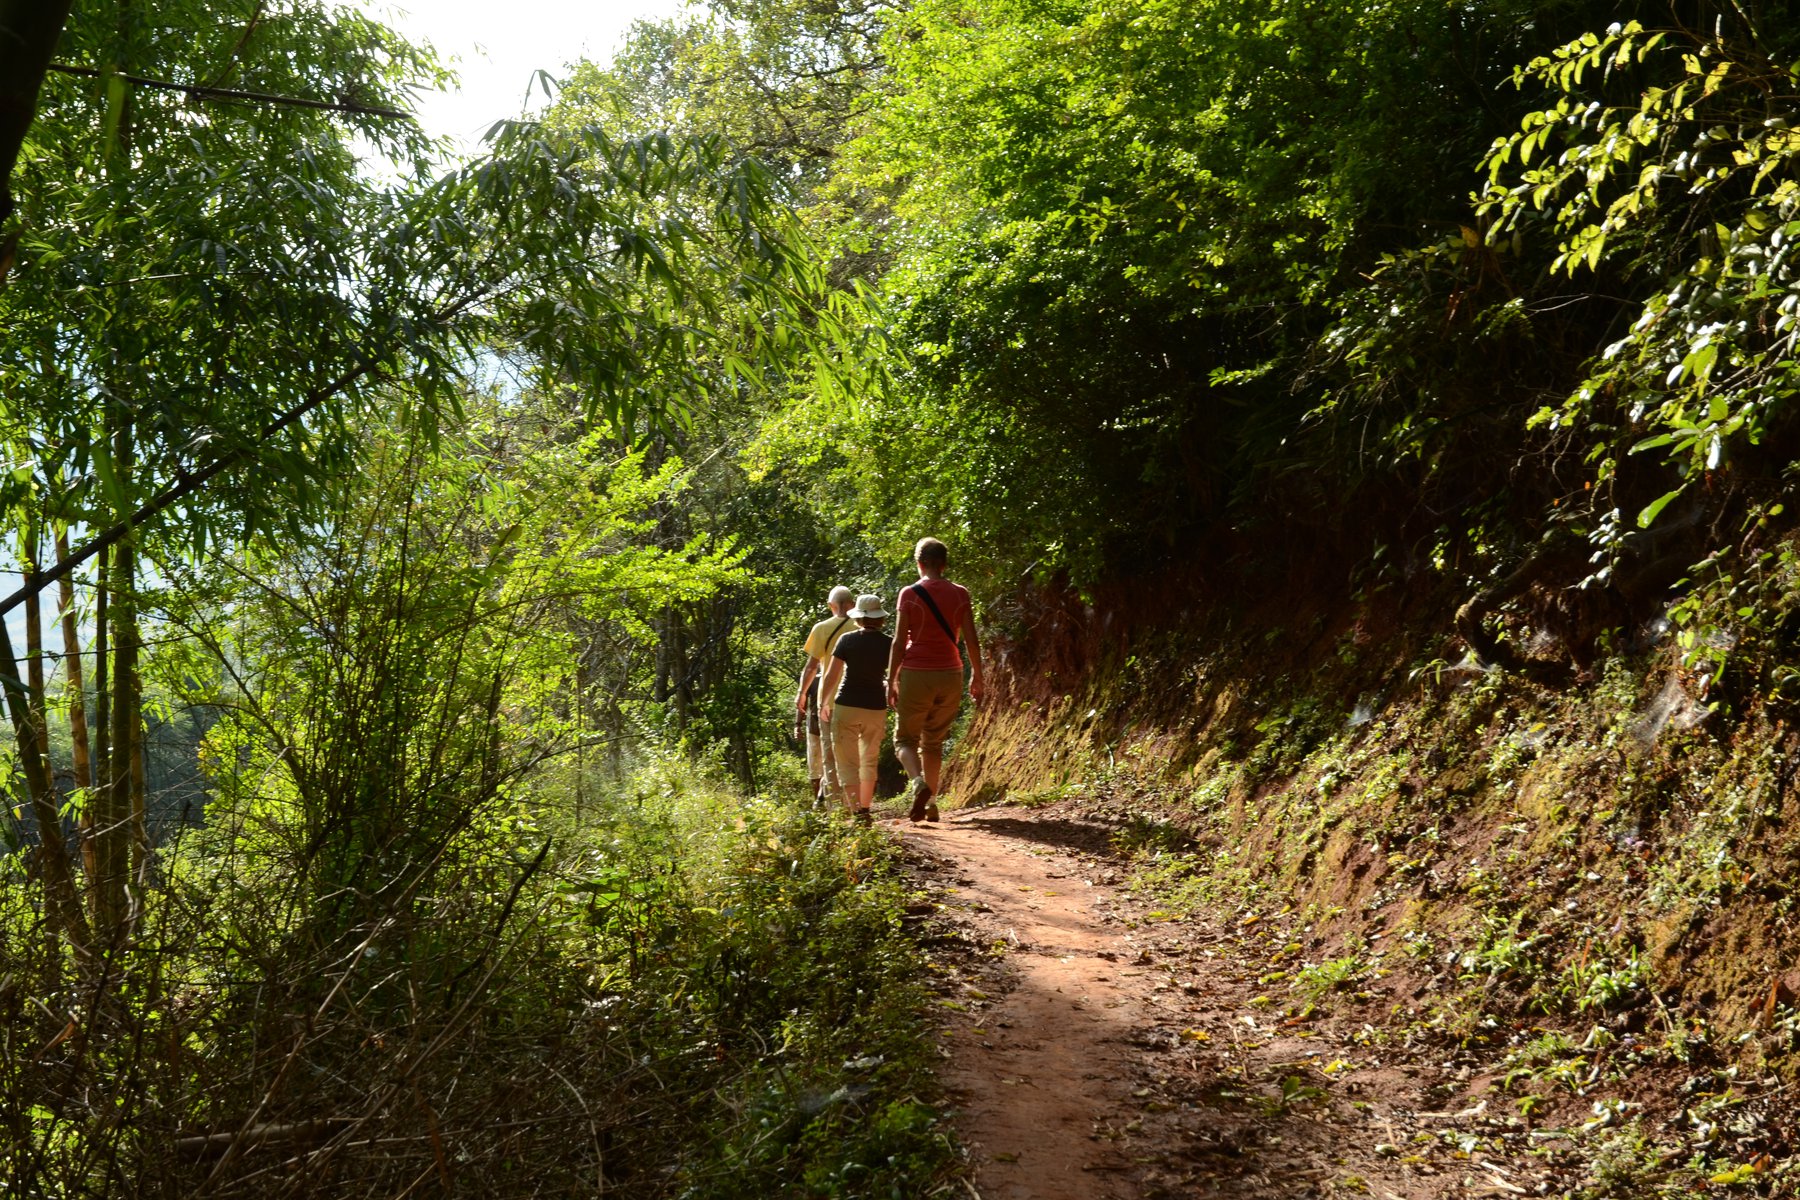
(918, 589)
(818, 683)
(830, 645)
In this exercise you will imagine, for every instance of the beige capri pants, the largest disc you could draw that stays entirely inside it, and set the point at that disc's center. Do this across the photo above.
(821, 758)
(856, 735)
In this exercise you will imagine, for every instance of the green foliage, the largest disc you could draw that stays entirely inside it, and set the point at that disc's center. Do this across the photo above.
(716, 986)
(380, 689)
(779, 956)
(775, 78)
(1508, 953)
(1315, 983)
(1603, 983)
(1666, 161)
(237, 286)
(1118, 235)
(422, 615)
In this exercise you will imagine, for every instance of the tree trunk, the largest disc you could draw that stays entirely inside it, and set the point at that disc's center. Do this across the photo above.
(140, 826)
(116, 835)
(29, 30)
(34, 653)
(102, 682)
(36, 713)
(581, 731)
(665, 625)
(678, 668)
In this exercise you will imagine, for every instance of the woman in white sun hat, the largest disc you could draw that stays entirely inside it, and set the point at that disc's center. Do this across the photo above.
(855, 703)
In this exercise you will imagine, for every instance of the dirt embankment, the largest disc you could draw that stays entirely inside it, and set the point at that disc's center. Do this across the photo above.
(1370, 777)
(1570, 901)
(1096, 1049)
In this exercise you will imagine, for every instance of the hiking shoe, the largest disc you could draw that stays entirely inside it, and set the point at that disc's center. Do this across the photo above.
(931, 813)
(921, 800)
(864, 817)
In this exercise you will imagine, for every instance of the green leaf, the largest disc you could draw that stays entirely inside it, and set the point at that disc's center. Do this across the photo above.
(1656, 506)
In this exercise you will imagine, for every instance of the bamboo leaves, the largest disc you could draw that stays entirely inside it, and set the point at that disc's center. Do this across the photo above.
(219, 311)
(272, 285)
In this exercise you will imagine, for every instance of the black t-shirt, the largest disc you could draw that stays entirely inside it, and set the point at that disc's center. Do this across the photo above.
(865, 655)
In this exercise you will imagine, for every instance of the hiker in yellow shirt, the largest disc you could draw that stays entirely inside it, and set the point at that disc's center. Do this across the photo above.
(821, 763)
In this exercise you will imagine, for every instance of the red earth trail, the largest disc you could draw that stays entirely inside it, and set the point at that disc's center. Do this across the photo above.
(1095, 1049)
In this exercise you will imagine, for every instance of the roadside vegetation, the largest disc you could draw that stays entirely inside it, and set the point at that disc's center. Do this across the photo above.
(397, 800)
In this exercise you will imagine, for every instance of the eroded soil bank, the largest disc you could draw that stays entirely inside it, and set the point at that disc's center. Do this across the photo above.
(1097, 1047)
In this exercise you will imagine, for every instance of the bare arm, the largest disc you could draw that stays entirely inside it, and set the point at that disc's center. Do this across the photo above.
(977, 688)
(806, 677)
(896, 652)
(833, 673)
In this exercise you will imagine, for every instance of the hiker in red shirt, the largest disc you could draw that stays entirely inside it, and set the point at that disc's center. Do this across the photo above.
(925, 671)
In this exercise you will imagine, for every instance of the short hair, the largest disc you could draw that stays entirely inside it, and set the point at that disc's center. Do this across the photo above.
(932, 552)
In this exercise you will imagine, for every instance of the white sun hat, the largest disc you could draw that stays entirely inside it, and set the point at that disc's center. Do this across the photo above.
(867, 606)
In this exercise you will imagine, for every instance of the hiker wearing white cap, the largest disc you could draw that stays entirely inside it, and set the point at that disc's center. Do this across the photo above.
(821, 766)
(925, 671)
(855, 694)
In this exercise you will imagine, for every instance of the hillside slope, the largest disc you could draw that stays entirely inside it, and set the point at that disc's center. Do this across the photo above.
(1337, 765)
(1581, 882)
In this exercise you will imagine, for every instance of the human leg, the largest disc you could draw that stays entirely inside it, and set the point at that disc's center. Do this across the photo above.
(815, 752)
(835, 783)
(858, 733)
(928, 704)
(931, 765)
(871, 728)
(909, 722)
(844, 728)
(940, 714)
(909, 760)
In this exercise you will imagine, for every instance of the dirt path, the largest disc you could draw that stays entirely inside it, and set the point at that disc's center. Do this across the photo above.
(1096, 1050)
(1046, 1064)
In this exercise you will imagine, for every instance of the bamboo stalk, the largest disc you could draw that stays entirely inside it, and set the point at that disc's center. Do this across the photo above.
(102, 676)
(269, 1133)
(140, 829)
(34, 652)
(61, 900)
(76, 694)
(120, 834)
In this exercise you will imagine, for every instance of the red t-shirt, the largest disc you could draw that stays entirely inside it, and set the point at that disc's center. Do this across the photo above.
(928, 647)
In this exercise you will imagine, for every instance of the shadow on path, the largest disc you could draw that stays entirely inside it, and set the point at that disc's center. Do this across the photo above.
(1085, 837)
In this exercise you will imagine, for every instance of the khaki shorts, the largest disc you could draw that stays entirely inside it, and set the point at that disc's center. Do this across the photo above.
(856, 735)
(929, 702)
